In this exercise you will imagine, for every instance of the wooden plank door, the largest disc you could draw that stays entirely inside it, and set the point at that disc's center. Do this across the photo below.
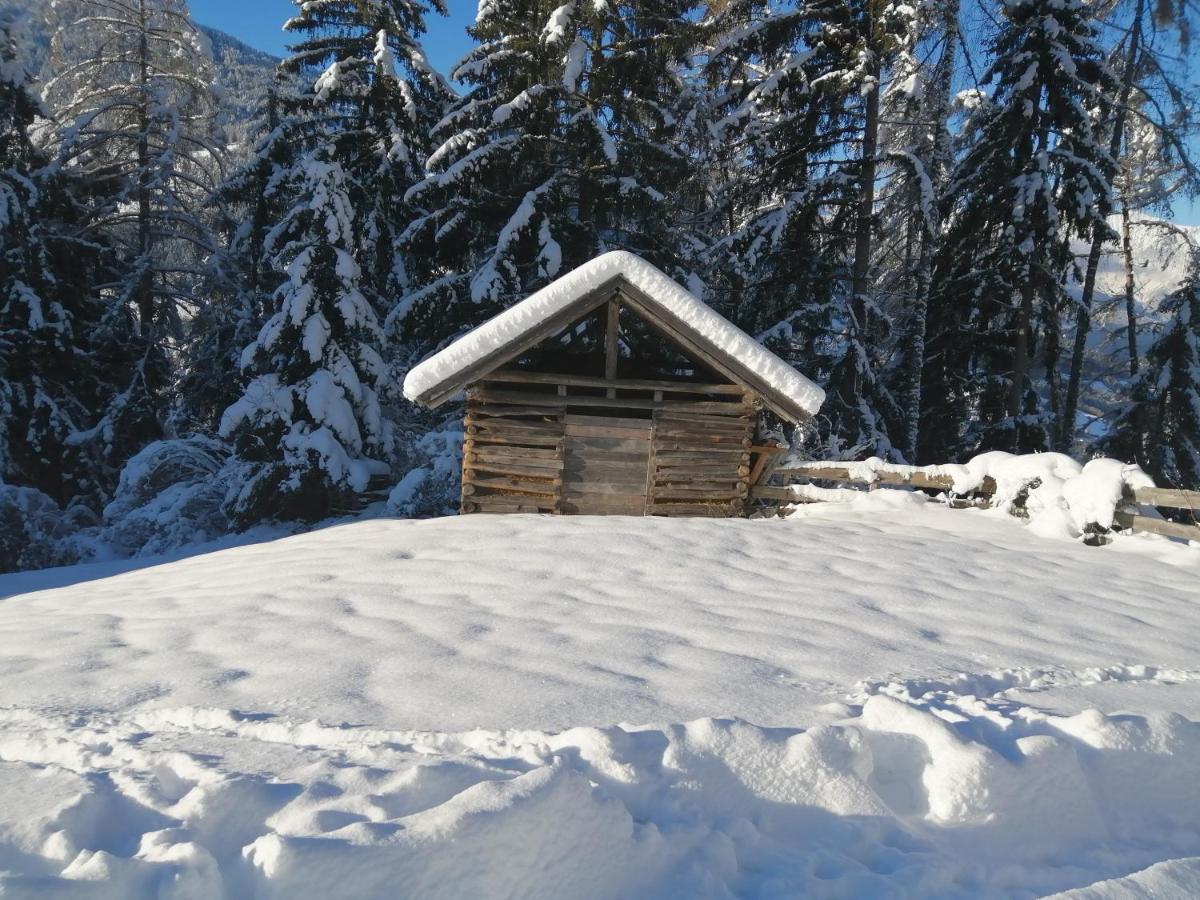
(701, 464)
(606, 465)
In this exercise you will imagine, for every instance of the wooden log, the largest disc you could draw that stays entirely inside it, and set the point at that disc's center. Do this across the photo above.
(701, 437)
(1170, 497)
(723, 423)
(484, 436)
(485, 468)
(700, 457)
(512, 426)
(768, 492)
(915, 479)
(1135, 522)
(505, 451)
(513, 485)
(482, 456)
(701, 480)
(514, 376)
(507, 504)
(557, 401)
(507, 411)
(709, 510)
(733, 471)
(684, 493)
(726, 410)
(612, 344)
(676, 444)
(770, 461)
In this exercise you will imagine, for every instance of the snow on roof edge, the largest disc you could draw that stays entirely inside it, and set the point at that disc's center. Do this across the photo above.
(664, 292)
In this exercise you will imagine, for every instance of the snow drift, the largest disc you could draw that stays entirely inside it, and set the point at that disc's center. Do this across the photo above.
(959, 796)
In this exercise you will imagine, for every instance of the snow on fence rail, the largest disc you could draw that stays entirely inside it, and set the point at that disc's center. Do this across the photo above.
(1100, 495)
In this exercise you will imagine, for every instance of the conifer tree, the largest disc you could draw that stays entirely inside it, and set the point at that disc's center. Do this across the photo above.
(561, 149)
(47, 386)
(310, 420)
(1034, 176)
(130, 92)
(794, 259)
(917, 152)
(1160, 427)
(365, 94)
(1150, 102)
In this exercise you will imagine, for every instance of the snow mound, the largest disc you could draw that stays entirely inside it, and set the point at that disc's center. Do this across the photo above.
(670, 298)
(958, 796)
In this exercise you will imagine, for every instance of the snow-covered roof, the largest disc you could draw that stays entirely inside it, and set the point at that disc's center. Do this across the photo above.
(495, 342)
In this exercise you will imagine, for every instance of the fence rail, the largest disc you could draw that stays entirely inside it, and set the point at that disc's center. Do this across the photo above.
(912, 476)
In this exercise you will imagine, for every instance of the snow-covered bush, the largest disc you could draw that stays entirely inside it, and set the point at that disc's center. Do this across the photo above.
(171, 494)
(35, 533)
(431, 486)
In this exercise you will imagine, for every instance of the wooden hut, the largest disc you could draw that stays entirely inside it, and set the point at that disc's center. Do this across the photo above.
(612, 391)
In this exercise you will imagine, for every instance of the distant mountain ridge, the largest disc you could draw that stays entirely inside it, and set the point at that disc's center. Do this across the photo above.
(222, 41)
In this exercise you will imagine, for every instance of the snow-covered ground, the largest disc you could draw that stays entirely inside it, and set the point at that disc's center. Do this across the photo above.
(878, 698)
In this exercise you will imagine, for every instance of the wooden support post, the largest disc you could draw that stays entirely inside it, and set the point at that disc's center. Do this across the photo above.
(612, 345)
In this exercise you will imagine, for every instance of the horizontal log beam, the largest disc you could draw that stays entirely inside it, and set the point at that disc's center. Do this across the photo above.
(513, 376)
(478, 467)
(1134, 522)
(1172, 497)
(915, 479)
(527, 455)
(562, 401)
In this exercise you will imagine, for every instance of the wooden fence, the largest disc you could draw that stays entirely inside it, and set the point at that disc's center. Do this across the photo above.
(1128, 517)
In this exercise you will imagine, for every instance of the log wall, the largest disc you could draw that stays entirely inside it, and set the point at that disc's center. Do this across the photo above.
(601, 446)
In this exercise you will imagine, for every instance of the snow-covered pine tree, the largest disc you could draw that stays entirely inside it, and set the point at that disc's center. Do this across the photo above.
(45, 379)
(1035, 175)
(366, 94)
(796, 89)
(1153, 101)
(129, 88)
(916, 151)
(242, 280)
(561, 149)
(309, 420)
(1160, 428)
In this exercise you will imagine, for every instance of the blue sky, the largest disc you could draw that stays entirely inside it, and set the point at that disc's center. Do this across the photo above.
(260, 24)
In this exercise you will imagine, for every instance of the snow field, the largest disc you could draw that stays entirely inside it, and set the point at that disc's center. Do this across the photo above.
(878, 698)
(954, 796)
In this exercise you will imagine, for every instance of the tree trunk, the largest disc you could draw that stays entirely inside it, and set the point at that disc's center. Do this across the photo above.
(864, 227)
(1130, 309)
(144, 291)
(1083, 316)
(1016, 394)
(940, 88)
